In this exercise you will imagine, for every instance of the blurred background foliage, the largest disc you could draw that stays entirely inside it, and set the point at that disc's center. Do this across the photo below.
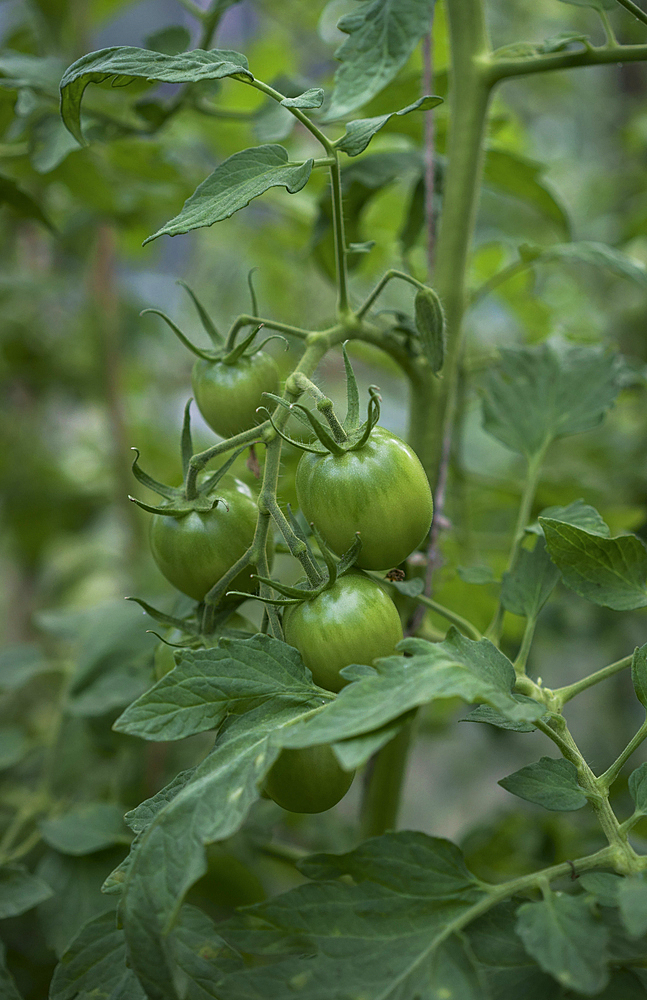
(84, 378)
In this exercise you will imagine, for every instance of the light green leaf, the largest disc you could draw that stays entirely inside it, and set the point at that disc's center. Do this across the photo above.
(22, 71)
(603, 885)
(518, 177)
(312, 98)
(359, 133)
(611, 572)
(19, 663)
(457, 667)
(638, 788)
(551, 783)
(86, 829)
(20, 890)
(430, 324)
(382, 36)
(358, 750)
(578, 513)
(528, 585)
(476, 574)
(536, 394)
(589, 252)
(632, 900)
(123, 64)
(208, 684)
(14, 745)
(639, 674)
(565, 938)
(237, 181)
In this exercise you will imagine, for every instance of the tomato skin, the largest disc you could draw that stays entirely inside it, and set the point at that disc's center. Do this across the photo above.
(352, 622)
(308, 780)
(195, 550)
(228, 395)
(380, 490)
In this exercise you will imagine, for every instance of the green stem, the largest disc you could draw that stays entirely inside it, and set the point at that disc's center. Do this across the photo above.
(499, 278)
(265, 88)
(535, 462)
(382, 283)
(343, 305)
(383, 785)
(501, 69)
(629, 5)
(271, 324)
(612, 41)
(606, 780)
(451, 616)
(253, 436)
(569, 691)
(526, 643)
(297, 547)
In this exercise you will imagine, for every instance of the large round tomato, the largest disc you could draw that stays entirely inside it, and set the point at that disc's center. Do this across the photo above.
(193, 551)
(228, 395)
(310, 780)
(352, 622)
(380, 490)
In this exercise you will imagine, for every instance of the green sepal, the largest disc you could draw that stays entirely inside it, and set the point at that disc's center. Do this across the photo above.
(371, 420)
(430, 324)
(348, 558)
(264, 600)
(236, 351)
(324, 437)
(331, 565)
(297, 529)
(252, 293)
(163, 618)
(209, 485)
(201, 504)
(280, 401)
(186, 441)
(170, 492)
(286, 437)
(205, 319)
(351, 420)
(283, 588)
(178, 333)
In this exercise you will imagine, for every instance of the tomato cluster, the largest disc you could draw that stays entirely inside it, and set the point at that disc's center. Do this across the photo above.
(374, 488)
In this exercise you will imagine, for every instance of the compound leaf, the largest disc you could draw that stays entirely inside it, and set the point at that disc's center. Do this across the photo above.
(528, 585)
(578, 513)
(237, 181)
(360, 132)
(550, 782)
(123, 64)
(382, 36)
(536, 394)
(608, 571)
(567, 940)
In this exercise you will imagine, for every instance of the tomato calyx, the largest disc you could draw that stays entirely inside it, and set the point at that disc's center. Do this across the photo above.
(339, 437)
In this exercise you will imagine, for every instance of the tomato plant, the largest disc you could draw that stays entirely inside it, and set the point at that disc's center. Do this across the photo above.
(195, 549)
(228, 395)
(379, 490)
(308, 780)
(352, 622)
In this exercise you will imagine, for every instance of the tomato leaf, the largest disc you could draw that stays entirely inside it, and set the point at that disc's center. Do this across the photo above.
(567, 940)
(359, 133)
(638, 788)
(632, 900)
(20, 890)
(233, 184)
(611, 572)
(208, 684)
(536, 394)
(86, 829)
(590, 252)
(125, 63)
(551, 783)
(528, 585)
(517, 176)
(507, 968)
(382, 36)
(8, 988)
(19, 663)
(312, 98)
(21, 202)
(578, 513)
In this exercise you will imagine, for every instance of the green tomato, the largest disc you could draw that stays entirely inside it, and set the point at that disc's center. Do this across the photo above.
(352, 622)
(308, 780)
(381, 490)
(228, 395)
(195, 550)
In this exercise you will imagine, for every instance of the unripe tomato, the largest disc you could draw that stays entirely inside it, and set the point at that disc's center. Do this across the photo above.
(352, 622)
(380, 490)
(228, 395)
(308, 780)
(193, 551)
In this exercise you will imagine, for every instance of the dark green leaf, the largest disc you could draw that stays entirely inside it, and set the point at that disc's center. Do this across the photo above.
(312, 98)
(21, 202)
(508, 969)
(639, 673)
(404, 862)
(239, 179)
(95, 964)
(578, 513)
(638, 788)
(536, 394)
(78, 898)
(382, 36)
(632, 900)
(143, 815)
(359, 133)
(551, 783)
(8, 988)
(608, 571)
(528, 585)
(494, 718)
(20, 890)
(603, 885)
(430, 324)
(518, 177)
(358, 750)
(18, 664)
(123, 64)
(565, 938)
(86, 829)
(14, 745)
(208, 684)
(457, 667)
